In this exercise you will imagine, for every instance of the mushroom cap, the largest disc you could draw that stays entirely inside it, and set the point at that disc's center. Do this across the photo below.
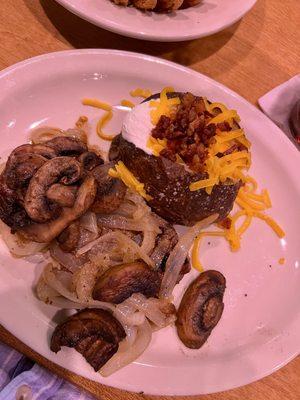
(45, 233)
(94, 333)
(90, 160)
(121, 281)
(21, 168)
(62, 195)
(69, 238)
(60, 169)
(110, 191)
(201, 308)
(67, 146)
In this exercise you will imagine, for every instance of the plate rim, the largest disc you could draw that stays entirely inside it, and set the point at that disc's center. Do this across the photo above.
(115, 28)
(69, 53)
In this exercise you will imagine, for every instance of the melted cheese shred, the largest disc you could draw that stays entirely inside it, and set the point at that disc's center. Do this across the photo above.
(163, 106)
(104, 120)
(252, 205)
(139, 92)
(120, 171)
(156, 145)
(127, 103)
(196, 248)
(232, 165)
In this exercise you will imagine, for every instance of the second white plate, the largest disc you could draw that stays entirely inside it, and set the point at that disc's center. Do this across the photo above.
(209, 17)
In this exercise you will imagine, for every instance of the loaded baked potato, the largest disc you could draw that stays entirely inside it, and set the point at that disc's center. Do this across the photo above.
(188, 153)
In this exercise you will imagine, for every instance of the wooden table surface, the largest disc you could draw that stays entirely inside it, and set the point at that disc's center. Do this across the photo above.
(251, 57)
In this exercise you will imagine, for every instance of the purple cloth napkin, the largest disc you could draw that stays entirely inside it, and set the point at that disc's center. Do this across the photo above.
(21, 379)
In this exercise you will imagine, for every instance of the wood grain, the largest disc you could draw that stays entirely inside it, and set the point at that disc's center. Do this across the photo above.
(251, 57)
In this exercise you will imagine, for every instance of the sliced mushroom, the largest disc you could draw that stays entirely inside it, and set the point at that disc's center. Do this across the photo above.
(39, 149)
(69, 238)
(67, 146)
(12, 212)
(90, 160)
(94, 333)
(201, 309)
(21, 168)
(45, 233)
(62, 195)
(64, 169)
(121, 281)
(110, 192)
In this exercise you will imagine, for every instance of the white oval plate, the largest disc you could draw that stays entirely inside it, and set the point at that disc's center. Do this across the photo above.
(258, 333)
(209, 17)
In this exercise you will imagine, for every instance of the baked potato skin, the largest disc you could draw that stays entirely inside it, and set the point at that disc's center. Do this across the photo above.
(168, 185)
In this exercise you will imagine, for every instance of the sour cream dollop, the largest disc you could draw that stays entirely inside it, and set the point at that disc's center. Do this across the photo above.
(137, 126)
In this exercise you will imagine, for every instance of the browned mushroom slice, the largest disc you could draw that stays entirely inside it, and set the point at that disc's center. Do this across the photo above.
(121, 281)
(64, 169)
(12, 212)
(94, 333)
(45, 233)
(69, 238)
(67, 146)
(90, 160)
(62, 195)
(110, 191)
(168, 5)
(21, 168)
(39, 149)
(201, 309)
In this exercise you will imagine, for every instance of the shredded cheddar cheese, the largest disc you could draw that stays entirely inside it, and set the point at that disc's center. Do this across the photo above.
(225, 116)
(102, 123)
(97, 104)
(196, 248)
(144, 93)
(127, 103)
(252, 205)
(156, 145)
(221, 169)
(163, 106)
(104, 119)
(122, 172)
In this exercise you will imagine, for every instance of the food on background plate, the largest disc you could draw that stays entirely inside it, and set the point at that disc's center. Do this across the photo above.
(294, 121)
(158, 5)
(105, 228)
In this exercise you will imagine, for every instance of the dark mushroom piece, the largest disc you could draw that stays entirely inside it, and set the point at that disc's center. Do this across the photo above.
(12, 212)
(39, 149)
(45, 233)
(69, 238)
(60, 169)
(62, 195)
(90, 160)
(110, 191)
(94, 333)
(66, 146)
(20, 169)
(201, 309)
(121, 281)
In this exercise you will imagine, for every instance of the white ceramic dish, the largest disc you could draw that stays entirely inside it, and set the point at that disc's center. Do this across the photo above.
(209, 17)
(258, 333)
